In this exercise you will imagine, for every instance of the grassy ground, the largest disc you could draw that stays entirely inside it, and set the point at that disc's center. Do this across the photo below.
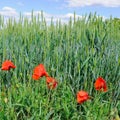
(75, 54)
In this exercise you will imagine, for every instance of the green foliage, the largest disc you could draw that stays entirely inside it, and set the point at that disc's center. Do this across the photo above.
(75, 54)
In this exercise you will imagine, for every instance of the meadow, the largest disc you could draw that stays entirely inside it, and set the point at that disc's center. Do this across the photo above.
(74, 53)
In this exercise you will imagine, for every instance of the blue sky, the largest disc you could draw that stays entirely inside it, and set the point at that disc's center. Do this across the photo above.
(60, 8)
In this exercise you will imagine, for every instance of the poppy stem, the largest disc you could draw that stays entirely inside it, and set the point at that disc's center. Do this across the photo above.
(8, 79)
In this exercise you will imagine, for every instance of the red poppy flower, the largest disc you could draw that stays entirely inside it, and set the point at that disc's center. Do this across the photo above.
(39, 72)
(7, 65)
(100, 84)
(82, 96)
(51, 82)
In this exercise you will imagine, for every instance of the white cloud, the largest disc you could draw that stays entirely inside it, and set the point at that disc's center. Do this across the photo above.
(63, 17)
(8, 12)
(82, 3)
(8, 9)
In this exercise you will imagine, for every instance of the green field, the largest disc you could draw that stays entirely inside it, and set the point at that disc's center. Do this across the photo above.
(74, 53)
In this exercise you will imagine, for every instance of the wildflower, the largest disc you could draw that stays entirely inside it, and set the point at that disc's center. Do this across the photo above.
(5, 100)
(7, 65)
(100, 84)
(39, 71)
(51, 82)
(82, 96)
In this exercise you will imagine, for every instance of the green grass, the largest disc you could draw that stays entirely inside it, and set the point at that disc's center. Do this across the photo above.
(75, 54)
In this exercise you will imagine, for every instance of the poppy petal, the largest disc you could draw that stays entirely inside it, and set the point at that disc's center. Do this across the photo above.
(7, 65)
(100, 84)
(39, 71)
(51, 82)
(82, 96)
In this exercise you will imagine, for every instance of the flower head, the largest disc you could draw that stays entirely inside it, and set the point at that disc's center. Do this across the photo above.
(39, 71)
(5, 100)
(100, 84)
(51, 82)
(7, 65)
(82, 96)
